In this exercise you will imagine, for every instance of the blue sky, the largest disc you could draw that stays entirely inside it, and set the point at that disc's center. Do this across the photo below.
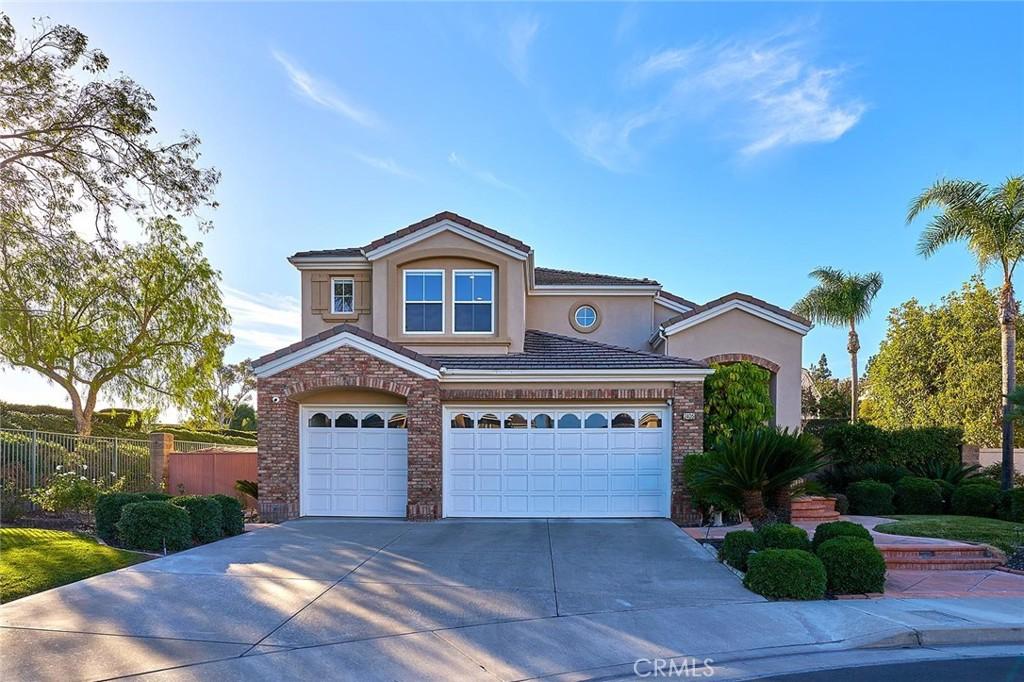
(712, 147)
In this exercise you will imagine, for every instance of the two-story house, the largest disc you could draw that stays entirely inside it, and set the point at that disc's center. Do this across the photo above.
(443, 374)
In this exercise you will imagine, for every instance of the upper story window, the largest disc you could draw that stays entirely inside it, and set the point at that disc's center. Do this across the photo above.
(343, 295)
(424, 301)
(474, 301)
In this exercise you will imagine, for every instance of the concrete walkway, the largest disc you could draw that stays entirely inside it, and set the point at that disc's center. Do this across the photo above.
(503, 600)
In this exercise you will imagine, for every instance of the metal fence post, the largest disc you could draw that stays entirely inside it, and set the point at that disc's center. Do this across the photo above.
(35, 455)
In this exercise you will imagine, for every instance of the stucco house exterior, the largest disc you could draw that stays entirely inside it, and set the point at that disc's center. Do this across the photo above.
(442, 373)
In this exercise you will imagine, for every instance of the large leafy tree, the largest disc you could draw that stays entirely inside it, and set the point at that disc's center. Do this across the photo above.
(826, 397)
(235, 385)
(74, 141)
(940, 365)
(842, 299)
(990, 220)
(147, 326)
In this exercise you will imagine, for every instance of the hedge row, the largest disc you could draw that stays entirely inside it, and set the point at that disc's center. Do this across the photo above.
(861, 443)
(158, 522)
(914, 495)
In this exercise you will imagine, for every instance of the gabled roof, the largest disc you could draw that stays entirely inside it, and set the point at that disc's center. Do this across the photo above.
(547, 351)
(444, 216)
(733, 301)
(552, 276)
(676, 299)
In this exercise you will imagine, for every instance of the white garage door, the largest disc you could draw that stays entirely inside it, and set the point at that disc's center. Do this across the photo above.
(353, 461)
(557, 461)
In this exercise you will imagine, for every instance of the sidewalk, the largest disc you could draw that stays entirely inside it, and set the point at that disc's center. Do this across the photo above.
(607, 645)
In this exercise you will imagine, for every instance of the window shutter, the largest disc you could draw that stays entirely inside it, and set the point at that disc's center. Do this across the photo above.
(321, 292)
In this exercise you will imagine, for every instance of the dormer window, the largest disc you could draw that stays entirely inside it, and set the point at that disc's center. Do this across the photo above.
(424, 302)
(474, 301)
(343, 295)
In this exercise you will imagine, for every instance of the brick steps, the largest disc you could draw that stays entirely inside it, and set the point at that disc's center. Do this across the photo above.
(940, 557)
(813, 509)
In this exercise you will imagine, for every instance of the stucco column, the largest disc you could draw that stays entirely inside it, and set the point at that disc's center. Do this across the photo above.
(424, 407)
(278, 440)
(687, 438)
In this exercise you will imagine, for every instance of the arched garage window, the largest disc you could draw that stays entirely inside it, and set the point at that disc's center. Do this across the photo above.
(596, 420)
(515, 421)
(373, 421)
(623, 420)
(319, 420)
(397, 421)
(462, 421)
(569, 421)
(346, 421)
(488, 421)
(650, 421)
(543, 421)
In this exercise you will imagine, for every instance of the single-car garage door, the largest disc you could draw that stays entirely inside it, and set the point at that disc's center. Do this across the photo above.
(502, 461)
(353, 461)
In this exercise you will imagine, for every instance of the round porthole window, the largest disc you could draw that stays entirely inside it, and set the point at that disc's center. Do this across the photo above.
(585, 318)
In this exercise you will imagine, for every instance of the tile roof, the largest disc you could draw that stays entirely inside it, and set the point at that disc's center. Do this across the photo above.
(341, 329)
(415, 227)
(544, 350)
(737, 296)
(549, 276)
(678, 299)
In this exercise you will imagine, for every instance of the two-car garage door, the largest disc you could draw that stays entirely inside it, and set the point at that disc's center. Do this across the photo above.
(556, 461)
(498, 461)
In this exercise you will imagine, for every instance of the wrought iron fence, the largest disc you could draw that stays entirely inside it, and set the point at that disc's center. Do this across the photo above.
(29, 458)
(188, 446)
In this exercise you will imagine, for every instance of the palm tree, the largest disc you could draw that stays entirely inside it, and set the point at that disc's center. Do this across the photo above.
(991, 221)
(840, 299)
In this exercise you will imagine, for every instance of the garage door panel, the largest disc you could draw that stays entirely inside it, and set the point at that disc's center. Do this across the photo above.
(569, 462)
(354, 462)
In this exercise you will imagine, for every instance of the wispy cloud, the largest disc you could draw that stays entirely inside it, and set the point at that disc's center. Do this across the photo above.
(762, 94)
(385, 165)
(324, 93)
(519, 38)
(484, 176)
(262, 322)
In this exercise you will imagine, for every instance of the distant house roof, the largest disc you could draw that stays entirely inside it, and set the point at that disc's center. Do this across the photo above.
(737, 300)
(677, 299)
(416, 227)
(544, 350)
(552, 276)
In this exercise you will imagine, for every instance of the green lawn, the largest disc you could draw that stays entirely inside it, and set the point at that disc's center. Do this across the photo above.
(1001, 534)
(33, 560)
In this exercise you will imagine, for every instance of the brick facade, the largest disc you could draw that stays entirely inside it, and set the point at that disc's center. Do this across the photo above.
(726, 358)
(279, 397)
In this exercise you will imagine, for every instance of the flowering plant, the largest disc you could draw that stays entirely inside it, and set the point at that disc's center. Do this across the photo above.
(71, 491)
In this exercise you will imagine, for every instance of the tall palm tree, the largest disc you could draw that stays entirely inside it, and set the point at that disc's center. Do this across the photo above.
(991, 221)
(841, 299)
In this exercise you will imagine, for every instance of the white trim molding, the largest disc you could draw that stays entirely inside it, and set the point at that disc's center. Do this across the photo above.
(352, 294)
(671, 305)
(471, 271)
(744, 306)
(405, 326)
(341, 340)
(443, 226)
(329, 263)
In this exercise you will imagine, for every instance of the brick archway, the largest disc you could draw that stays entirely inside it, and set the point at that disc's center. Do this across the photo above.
(361, 381)
(726, 358)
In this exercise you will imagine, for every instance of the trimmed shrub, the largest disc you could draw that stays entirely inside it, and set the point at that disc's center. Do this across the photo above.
(157, 497)
(984, 480)
(737, 546)
(108, 512)
(975, 500)
(786, 574)
(154, 527)
(204, 516)
(839, 529)
(842, 504)
(861, 443)
(947, 489)
(853, 565)
(870, 498)
(231, 517)
(784, 536)
(915, 495)
(1011, 505)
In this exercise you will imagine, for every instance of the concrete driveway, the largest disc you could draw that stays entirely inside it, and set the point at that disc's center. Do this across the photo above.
(375, 599)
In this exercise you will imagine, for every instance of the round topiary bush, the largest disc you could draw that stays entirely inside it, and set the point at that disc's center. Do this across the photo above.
(108, 512)
(842, 504)
(737, 546)
(786, 574)
(1011, 505)
(784, 536)
(154, 527)
(870, 498)
(853, 565)
(231, 517)
(839, 529)
(916, 495)
(975, 500)
(204, 515)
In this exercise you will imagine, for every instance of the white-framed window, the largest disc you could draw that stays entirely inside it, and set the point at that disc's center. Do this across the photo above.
(473, 301)
(343, 295)
(585, 316)
(423, 304)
